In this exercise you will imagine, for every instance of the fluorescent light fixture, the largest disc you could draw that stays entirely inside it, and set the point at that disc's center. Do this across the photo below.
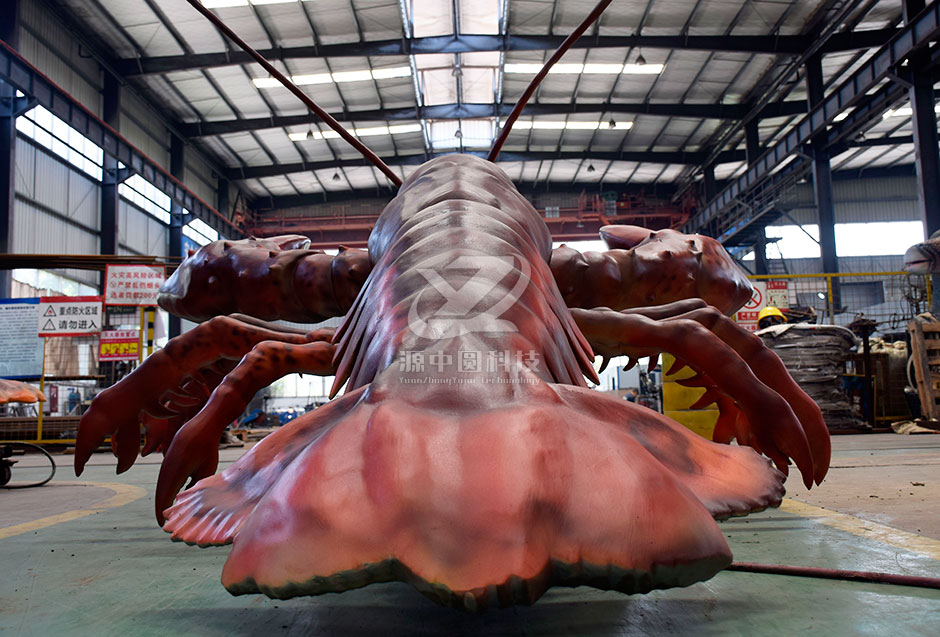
(612, 69)
(265, 82)
(271, 1)
(526, 124)
(342, 76)
(643, 69)
(312, 78)
(637, 69)
(842, 116)
(394, 71)
(404, 128)
(220, 4)
(369, 132)
(352, 76)
(582, 125)
(298, 137)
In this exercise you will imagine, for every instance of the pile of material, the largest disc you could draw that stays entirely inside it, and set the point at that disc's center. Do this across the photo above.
(814, 355)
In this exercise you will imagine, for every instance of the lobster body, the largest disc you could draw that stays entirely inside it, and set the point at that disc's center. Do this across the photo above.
(481, 486)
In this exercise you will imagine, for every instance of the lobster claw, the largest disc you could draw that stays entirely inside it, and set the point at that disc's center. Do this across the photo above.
(767, 410)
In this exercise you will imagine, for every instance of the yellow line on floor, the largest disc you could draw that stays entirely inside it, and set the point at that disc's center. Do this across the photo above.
(865, 528)
(123, 494)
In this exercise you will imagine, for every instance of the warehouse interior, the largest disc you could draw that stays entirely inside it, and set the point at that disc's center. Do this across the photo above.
(801, 136)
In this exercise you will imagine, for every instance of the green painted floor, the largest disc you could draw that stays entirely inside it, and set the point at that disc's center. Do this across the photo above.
(90, 560)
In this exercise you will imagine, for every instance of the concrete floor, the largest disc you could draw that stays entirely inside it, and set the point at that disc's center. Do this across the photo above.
(85, 557)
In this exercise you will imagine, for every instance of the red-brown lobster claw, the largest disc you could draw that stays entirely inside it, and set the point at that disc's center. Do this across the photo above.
(193, 452)
(645, 268)
(169, 384)
(779, 419)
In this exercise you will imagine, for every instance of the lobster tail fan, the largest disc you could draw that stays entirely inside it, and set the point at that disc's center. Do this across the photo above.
(303, 97)
(534, 84)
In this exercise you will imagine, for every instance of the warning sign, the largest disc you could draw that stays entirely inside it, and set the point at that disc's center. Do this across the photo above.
(119, 345)
(20, 347)
(69, 315)
(133, 284)
(766, 293)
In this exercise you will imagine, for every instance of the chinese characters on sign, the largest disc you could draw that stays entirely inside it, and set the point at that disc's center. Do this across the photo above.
(119, 345)
(133, 284)
(69, 315)
(766, 293)
(20, 346)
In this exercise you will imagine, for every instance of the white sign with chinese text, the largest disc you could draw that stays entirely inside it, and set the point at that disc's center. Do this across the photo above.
(133, 284)
(20, 347)
(69, 315)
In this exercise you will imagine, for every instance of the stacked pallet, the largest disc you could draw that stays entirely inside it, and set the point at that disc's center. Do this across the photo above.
(925, 347)
(814, 356)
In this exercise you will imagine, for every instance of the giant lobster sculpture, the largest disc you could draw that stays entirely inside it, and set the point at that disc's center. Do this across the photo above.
(467, 455)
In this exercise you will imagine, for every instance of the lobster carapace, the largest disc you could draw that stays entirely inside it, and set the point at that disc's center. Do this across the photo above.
(467, 455)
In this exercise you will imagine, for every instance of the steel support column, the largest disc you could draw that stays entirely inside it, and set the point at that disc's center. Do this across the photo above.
(752, 139)
(177, 169)
(926, 143)
(822, 179)
(9, 33)
(111, 114)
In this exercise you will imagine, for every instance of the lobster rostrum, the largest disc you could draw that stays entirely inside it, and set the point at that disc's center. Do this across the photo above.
(466, 455)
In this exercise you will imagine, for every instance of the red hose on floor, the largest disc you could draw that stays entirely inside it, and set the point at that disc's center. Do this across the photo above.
(828, 573)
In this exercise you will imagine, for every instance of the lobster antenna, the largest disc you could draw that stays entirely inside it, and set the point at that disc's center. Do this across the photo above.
(290, 86)
(534, 84)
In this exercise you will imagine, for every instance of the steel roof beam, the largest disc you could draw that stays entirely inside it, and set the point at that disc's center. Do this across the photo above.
(471, 110)
(464, 43)
(273, 170)
(919, 33)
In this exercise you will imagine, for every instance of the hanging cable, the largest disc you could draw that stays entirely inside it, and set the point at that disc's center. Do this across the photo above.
(303, 97)
(534, 84)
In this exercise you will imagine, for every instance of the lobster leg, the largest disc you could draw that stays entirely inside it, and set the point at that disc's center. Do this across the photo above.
(193, 452)
(154, 386)
(697, 338)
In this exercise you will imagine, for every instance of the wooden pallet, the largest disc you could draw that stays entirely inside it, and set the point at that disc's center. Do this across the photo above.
(925, 347)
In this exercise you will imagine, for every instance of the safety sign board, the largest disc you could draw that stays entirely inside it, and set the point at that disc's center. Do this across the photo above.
(119, 345)
(69, 315)
(133, 284)
(766, 293)
(20, 347)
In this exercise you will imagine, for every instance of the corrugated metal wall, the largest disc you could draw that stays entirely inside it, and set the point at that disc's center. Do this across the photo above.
(858, 201)
(139, 233)
(56, 208)
(49, 47)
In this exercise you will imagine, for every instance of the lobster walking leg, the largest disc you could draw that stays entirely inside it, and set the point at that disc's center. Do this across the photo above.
(193, 452)
(781, 436)
(155, 385)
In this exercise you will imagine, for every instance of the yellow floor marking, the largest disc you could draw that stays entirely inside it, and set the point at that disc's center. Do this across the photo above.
(123, 494)
(865, 528)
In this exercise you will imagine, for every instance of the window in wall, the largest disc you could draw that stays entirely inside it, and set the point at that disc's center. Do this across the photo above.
(49, 131)
(200, 232)
(145, 195)
(45, 280)
(882, 238)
